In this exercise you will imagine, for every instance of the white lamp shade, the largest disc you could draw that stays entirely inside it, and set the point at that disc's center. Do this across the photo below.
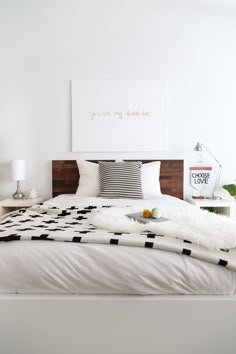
(18, 170)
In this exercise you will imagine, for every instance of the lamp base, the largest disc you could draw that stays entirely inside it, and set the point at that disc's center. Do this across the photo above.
(18, 194)
(214, 198)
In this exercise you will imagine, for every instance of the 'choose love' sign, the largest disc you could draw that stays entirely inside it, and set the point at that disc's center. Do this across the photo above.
(200, 175)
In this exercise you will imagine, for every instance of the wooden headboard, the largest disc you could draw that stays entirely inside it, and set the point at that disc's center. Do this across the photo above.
(65, 177)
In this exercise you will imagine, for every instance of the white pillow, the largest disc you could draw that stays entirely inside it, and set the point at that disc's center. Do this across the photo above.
(150, 175)
(89, 181)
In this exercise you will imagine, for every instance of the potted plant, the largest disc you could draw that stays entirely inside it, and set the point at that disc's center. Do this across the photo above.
(231, 189)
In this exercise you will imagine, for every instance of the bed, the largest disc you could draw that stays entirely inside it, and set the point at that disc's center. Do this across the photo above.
(102, 311)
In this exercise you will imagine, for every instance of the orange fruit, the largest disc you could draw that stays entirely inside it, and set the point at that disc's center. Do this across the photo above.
(147, 213)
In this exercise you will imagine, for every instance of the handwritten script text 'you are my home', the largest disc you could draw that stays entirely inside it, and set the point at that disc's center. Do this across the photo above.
(120, 115)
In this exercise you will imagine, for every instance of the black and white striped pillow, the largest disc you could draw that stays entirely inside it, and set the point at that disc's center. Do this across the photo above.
(120, 180)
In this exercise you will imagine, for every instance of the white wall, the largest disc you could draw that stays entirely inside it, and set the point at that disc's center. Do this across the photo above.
(46, 43)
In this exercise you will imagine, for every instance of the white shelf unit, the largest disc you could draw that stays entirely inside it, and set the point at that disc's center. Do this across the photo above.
(10, 204)
(224, 207)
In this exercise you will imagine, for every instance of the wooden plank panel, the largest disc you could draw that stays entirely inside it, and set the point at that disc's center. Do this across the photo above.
(65, 176)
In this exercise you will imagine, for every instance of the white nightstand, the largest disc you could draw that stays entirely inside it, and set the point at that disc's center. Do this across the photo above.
(224, 207)
(7, 205)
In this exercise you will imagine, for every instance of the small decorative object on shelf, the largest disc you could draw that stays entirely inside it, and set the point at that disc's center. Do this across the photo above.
(231, 189)
(33, 193)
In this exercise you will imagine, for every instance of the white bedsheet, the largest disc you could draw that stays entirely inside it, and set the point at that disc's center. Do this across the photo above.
(54, 267)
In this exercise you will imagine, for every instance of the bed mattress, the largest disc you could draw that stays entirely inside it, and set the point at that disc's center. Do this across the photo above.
(65, 267)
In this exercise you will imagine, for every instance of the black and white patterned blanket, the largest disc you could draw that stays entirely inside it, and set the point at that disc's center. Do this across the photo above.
(72, 224)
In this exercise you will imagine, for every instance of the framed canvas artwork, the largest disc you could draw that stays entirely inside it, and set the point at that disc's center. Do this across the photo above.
(119, 115)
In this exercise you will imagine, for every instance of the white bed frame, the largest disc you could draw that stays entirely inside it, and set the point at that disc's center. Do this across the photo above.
(77, 324)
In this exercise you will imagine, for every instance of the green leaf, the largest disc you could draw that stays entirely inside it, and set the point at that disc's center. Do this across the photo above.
(211, 210)
(231, 189)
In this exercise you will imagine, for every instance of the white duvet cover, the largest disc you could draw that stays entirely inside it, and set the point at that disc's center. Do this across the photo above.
(60, 267)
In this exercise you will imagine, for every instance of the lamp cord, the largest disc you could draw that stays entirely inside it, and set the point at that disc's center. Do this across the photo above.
(217, 180)
(218, 172)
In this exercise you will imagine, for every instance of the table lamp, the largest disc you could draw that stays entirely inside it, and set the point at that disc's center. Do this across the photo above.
(18, 174)
(199, 148)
